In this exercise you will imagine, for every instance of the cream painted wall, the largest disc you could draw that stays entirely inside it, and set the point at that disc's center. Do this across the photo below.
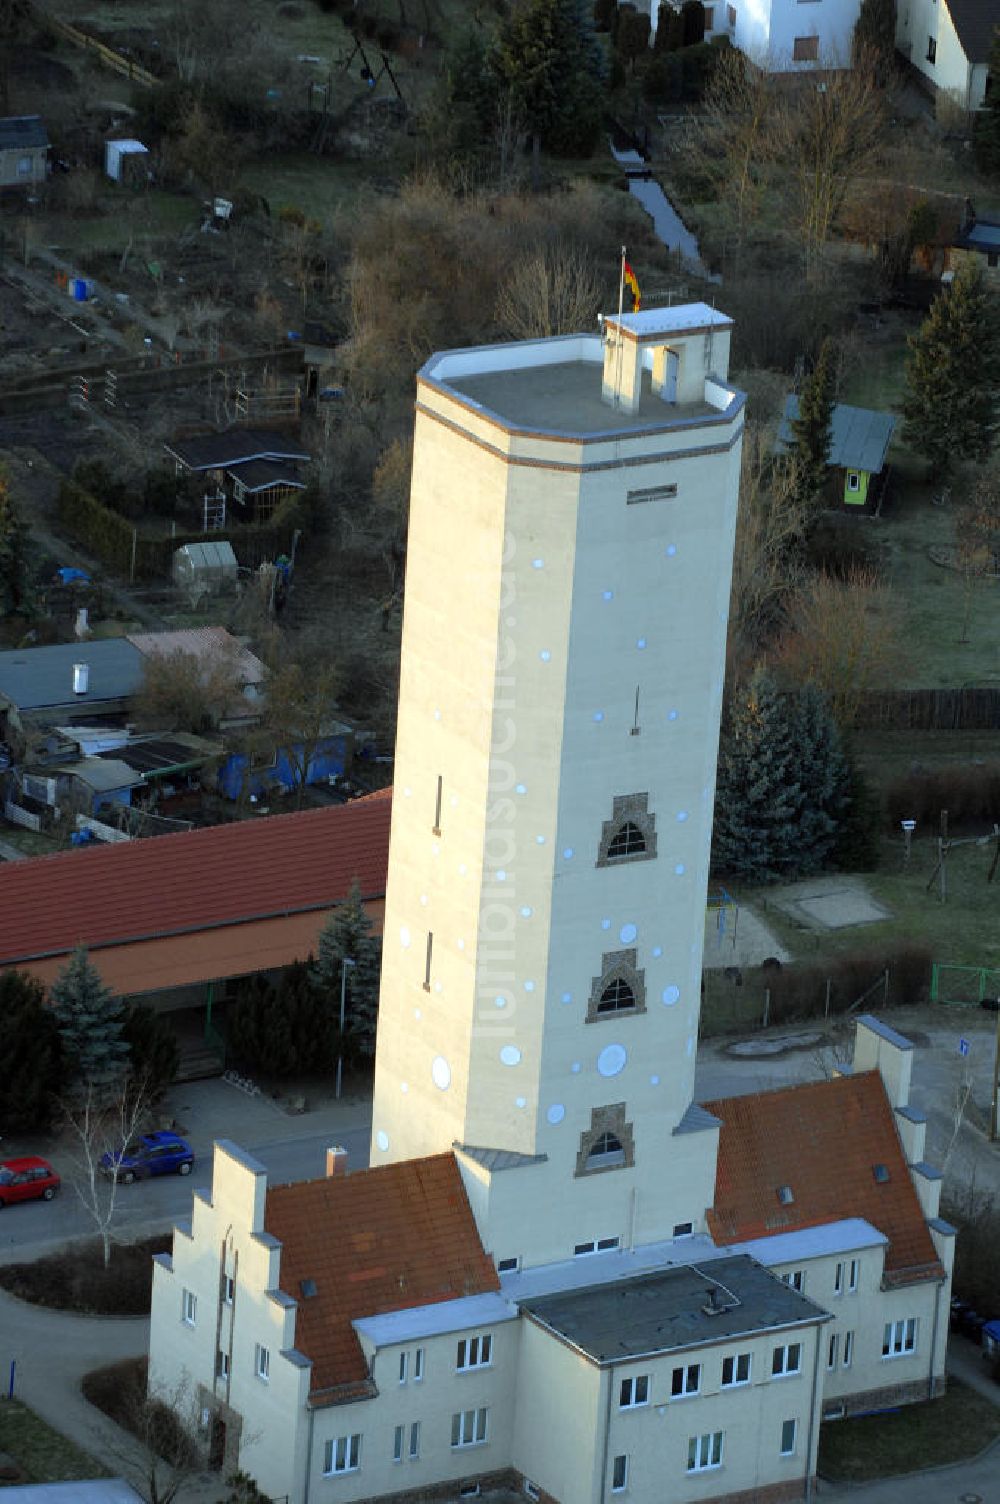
(950, 72)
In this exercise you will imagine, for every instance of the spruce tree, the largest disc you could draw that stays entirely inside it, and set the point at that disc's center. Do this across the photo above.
(812, 430)
(874, 39)
(91, 1024)
(758, 794)
(347, 932)
(986, 132)
(545, 54)
(823, 779)
(16, 592)
(153, 1052)
(953, 375)
(30, 1049)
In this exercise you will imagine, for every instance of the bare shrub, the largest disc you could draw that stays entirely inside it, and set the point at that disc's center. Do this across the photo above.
(550, 291)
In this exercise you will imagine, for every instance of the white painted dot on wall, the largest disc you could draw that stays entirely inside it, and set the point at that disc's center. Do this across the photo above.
(510, 1055)
(520, 788)
(654, 1080)
(453, 801)
(612, 1060)
(568, 854)
(404, 1087)
(556, 1113)
(407, 793)
(437, 715)
(405, 938)
(598, 716)
(607, 595)
(500, 875)
(627, 933)
(382, 1140)
(640, 643)
(605, 924)
(539, 840)
(682, 815)
(657, 951)
(538, 563)
(520, 1101)
(545, 655)
(529, 986)
(567, 997)
(460, 944)
(500, 1000)
(462, 869)
(671, 550)
(417, 1014)
(435, 849)
(679, 869)
(423, 899)
(437, 986)
(441, 1073)
(670, 995)
(526, 911)
(575, 1067)
(672, 715)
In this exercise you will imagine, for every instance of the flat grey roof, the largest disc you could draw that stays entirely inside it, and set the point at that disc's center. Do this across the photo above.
(565, 398)
(22, 131)
(83, 1491)
(859, 436)
(37, 678)
(658, 1313)
(885, 1031)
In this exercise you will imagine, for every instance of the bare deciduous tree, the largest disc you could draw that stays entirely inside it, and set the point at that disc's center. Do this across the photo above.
(188, 691)
(734, 140)
(770, 527)
(96, 1130)
(550, 291)
(299, 707)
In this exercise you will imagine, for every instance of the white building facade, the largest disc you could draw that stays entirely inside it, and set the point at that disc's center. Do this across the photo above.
(782, 36)
(949, 46)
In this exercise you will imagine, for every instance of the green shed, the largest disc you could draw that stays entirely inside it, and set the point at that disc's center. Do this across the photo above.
(859, 443)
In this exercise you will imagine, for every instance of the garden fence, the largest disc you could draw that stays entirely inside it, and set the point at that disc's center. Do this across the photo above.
(951, 983)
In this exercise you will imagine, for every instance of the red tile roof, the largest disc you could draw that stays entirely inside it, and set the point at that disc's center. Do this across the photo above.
(198, 880)
(822, 1140)
(380, 1240)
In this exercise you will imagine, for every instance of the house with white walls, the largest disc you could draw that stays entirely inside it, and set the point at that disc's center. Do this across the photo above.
(783, 36)
(560, 1274)
(948, 43)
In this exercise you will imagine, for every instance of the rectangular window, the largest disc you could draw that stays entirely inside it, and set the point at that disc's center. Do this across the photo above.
(704, 1451)
(228, 1289)
(852, 1276)
(805, 49)
(619, 1474)
(788, 1430)
(601, 1245)
(427, 961)
(853, 480)
(189, 1307)
(683, 1229)
(414, 1440)
(651, 493)
(24, 167)
(508, 1266)
(796, 1279)
(731, 16)
(404, 1365)
(848, 1349)
(262, 1363)
(418, 1364)
(786, 1360)
(709, 18)
(221, 1364)
(342, 1455)
(634, 1392)
(397, 1443)
(685, 1381)
(735, 1370)
(838, 1280)
(437, 807)
(474, 1352)
(468, 1427)
(932, 49)
(899, 1338)
(833, 1348)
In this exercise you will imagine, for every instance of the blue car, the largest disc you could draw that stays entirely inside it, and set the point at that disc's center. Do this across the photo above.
(149, 1154)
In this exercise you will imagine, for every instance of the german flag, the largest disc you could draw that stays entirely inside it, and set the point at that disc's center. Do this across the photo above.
(632, 283)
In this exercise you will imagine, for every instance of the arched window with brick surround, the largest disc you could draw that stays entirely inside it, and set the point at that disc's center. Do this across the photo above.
(630, 834)
(608, 1144)
(620, 988)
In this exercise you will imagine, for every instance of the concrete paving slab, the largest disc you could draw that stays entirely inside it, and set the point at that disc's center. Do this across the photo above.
(829, 903)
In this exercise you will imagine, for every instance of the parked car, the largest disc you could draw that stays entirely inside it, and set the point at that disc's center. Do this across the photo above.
(29, 1179)
(149, 1154)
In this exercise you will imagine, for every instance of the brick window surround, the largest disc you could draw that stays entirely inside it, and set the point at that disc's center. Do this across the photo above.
(630, 834)
(618, 973)
(606, 1121)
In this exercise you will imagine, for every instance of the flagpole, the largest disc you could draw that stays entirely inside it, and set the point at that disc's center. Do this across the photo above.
(618, 352)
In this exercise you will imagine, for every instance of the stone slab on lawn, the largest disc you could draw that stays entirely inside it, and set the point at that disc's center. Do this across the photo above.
(835, 904)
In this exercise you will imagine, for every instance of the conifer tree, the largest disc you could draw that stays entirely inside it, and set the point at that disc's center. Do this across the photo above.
(347, 932)
(874, 38)
(16, 593)
(30, 1049)
(812, 429)
(91, 1022)
(545, 54)
(986, 134)
(283, 1028)
(953, 375)
(823, 778)
(758, 794)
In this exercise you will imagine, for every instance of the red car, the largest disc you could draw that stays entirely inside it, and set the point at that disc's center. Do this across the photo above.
(27, 1180)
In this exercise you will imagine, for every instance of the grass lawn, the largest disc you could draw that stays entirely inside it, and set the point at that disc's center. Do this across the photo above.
(42, 1454)
(958, 1425)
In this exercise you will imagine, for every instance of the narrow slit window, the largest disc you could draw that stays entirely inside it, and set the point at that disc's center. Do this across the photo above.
(427, 962)
(437, 806)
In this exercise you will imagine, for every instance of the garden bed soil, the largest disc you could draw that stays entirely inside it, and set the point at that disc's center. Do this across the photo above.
(75, 1279)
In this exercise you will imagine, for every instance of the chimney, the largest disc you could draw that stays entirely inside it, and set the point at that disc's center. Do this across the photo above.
(336, 1161)
(81, 678)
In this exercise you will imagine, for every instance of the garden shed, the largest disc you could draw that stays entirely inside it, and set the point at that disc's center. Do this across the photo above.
(205, 568)
(859, 444)
(125, 160)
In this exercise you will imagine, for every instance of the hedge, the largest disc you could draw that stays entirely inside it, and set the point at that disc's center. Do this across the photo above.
(800, 991)
(970, 792)
(112, 538)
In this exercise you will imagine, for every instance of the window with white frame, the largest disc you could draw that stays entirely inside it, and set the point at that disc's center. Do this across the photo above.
(704, 1451)
(789, 1430)
(853, 1270)
(634, 1392)
(683, 1229)
(222, 1364)
(853, 480)
(414, 1440)
(418, 1364)
(796, 1279)
(833, 1350)
(262, 1362)
(474, 1352)
(24, 167)
(398, 1438)
(468, 1427)
(845, 1276)
(619, 1474)
(786, 1360)
(735, 1370)
(848, 1357)
(228, 1289)
(596, 1245)
(189, 1307)
(342, 1454)
(509, 1266)
(404, 1367)
(685, 1380)
(899, 1338)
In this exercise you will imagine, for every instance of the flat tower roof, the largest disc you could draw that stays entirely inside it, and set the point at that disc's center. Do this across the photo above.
(566, 399)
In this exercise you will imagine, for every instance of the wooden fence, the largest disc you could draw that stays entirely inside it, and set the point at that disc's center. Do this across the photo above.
(931, 710)
(111, 59)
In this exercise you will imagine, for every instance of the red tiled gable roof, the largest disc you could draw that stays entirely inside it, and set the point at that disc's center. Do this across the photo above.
(380, 1240)
(198, 880)
(822, 1140)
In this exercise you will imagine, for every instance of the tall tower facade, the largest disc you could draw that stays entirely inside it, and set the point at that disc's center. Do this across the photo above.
(572, 514)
